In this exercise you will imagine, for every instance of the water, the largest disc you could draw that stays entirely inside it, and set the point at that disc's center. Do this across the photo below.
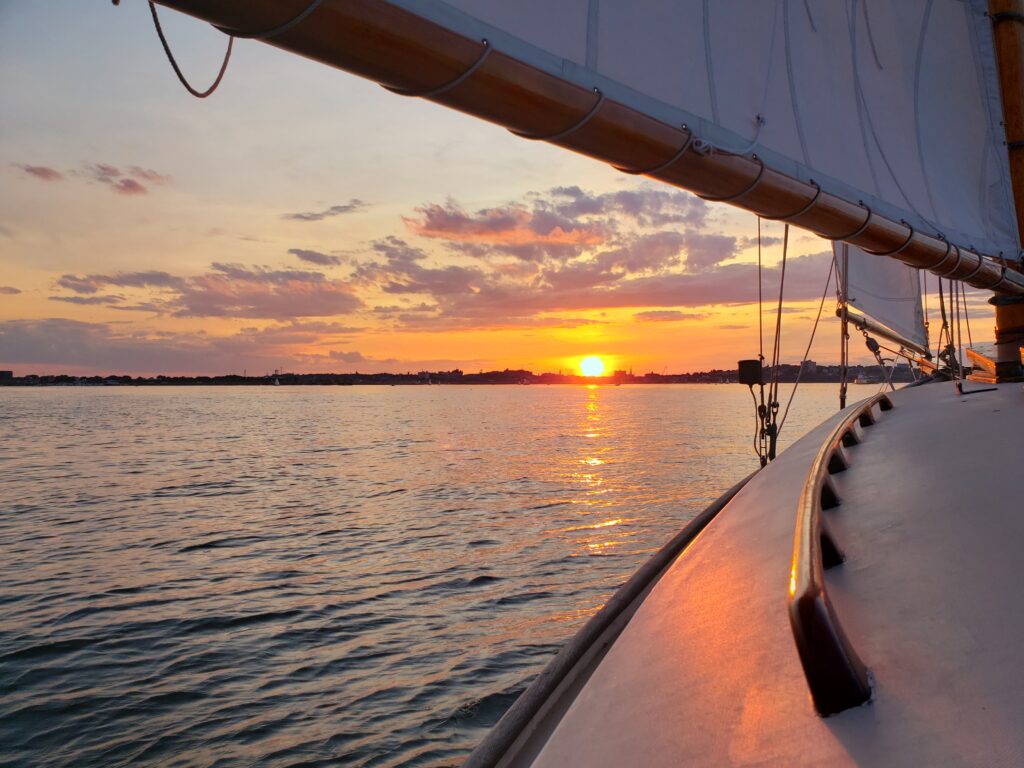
(325, 576)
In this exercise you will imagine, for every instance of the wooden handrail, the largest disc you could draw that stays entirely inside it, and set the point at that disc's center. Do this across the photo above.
(835, 674)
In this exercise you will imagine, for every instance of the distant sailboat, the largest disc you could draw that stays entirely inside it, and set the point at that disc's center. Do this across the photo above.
(894, 128)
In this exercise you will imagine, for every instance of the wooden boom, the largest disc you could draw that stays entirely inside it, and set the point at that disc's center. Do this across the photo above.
(405, 52)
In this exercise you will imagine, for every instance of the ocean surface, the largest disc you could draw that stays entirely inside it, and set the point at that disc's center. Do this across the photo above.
(306, 576)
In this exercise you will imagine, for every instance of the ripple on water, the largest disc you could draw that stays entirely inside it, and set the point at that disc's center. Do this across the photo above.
(323, 576)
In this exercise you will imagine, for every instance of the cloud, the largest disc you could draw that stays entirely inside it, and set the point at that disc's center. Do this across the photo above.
(9, 290)
(41, 172)
(227, 290)
(401, 271)
(125, 183)
(233, 290)
(561, 223)
(85, 300)
(647, 205)
(59, 343)
(94, 345)
(667, 315)
(128, 187)
(707, 250)
(297, 332)
(88, 284)
(554, 253)
(103, 172)
(351, 206)
(351, 357)
(147, 174)
(315, 257)
(495, 300)
(510, 225)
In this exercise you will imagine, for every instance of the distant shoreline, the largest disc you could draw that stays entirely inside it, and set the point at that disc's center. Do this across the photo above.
(812, 373)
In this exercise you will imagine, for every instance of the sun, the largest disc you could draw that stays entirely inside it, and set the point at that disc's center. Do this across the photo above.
(592, 366)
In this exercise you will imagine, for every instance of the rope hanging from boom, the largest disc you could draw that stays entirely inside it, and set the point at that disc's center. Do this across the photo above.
(174, 64)
(232, 34)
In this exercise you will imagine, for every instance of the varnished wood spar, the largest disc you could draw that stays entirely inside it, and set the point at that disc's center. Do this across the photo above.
(1008, 31)
(382, 42)
(1009, 40)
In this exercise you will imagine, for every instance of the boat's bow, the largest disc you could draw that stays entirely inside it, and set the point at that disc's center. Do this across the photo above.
(707, 671)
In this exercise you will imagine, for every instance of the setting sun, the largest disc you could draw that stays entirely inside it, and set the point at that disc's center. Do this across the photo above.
(592, 366)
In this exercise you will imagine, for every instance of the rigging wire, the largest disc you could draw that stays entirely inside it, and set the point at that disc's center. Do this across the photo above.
(944, 343)
(922, 276)
(960, 338)
(758, 432)
(772, 411)
(760, 318)
(967, 317)
(807, 352)
(174, 64)
(844, 325)
(761, 409)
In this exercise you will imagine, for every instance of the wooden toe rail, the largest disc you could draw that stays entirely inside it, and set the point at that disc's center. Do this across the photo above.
(837, 677)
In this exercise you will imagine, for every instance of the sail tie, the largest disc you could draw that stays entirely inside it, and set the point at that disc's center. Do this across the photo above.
(434, 91)
(654, 170)
(704, 147)
(901, 248)
(741, 194)
(278, 30)
(956, 264)
(559, 135)
(859, 230)
(977, 269)
(797, 214)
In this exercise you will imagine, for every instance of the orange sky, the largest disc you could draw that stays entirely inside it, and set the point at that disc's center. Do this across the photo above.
(305, 220)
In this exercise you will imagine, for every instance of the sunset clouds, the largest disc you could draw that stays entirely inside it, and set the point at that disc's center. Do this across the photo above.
(41, 172)
(227, 290)
(127, 182)
(305, 220)
(552, 260)
(351, 206)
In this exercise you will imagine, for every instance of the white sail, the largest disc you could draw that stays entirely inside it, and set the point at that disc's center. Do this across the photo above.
(885, 290)
(893, 103)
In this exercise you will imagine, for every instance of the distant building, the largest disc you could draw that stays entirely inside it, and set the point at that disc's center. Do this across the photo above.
(6, 375)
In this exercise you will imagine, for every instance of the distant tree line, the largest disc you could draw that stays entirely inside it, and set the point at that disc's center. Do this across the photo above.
(786, 373)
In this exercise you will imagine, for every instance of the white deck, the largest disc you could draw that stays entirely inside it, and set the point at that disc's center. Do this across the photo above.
(931, 597)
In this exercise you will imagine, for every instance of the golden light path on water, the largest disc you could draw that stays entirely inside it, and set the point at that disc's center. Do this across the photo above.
(353, 575)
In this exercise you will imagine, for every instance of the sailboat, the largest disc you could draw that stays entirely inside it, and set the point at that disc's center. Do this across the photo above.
(857, 599)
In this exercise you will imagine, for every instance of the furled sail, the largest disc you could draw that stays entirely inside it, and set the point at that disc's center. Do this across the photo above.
(876, 122)
(894, 103)
(885, 290)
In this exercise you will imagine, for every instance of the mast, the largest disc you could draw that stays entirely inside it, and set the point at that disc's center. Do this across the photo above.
(414, 56)
(844, 327)
(1008, 29)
